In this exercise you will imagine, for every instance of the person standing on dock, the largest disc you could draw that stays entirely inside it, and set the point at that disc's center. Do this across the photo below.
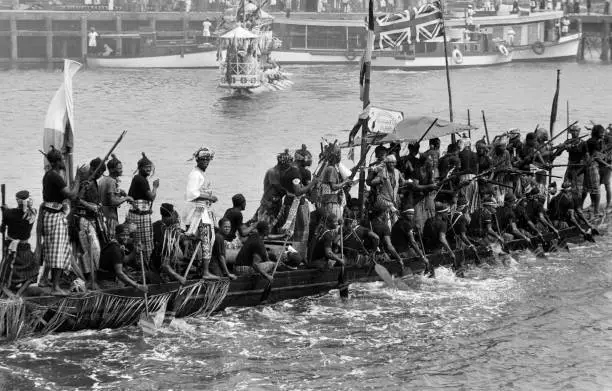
(201, 220)
(140, 213)
(92, 40)
(56, 247)
(111, 196)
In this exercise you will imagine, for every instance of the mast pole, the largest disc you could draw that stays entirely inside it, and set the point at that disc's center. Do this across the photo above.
(365, 81)
(448, 83)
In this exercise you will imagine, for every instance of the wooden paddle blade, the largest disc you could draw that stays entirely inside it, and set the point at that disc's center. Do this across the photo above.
(266, 292)
(384, 274)
(147, 324)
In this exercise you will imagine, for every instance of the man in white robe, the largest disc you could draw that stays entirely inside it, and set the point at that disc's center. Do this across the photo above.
(201, 220)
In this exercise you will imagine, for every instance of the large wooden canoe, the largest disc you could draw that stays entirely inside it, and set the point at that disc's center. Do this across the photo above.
(20, 317)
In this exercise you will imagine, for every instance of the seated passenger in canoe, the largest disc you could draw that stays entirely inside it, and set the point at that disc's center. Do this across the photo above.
(218, 263)
(325, 249)
(239, 231)
(118, 266)
(167, 258)
(253, 257)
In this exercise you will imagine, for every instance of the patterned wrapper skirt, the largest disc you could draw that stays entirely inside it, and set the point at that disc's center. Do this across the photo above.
(56, 241)
(591, 179)
(90, 245)
(423, 210)
(470, 191)
(297, 223)
(25, 265)
(144, 232)
(201, 224)
(577, 180)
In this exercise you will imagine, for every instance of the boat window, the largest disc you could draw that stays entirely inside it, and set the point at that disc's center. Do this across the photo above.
(327, 37)
(296, 36)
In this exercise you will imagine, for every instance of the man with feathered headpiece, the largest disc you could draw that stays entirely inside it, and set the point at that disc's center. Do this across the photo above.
(201, 220)
(273, 192)
(140, 213)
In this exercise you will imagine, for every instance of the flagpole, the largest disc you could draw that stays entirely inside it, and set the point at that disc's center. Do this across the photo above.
(448, 83)
(553, 119)
(365, 81)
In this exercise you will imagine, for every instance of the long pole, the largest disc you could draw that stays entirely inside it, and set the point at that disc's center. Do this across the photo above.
(3, 227)
(484, 121)
(365, 97)
(553, 119)
(470, 125)
(448, 83)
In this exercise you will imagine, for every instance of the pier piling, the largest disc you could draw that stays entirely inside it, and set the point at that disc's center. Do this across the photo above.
(605, 41)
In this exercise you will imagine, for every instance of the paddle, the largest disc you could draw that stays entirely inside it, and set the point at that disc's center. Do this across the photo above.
(343, 288)
(195, 252)
(147, 322)
(266, 292)
(3, 227)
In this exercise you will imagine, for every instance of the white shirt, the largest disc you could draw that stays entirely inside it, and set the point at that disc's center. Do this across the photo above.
(206, 28)
(197, 185)
(93, 38)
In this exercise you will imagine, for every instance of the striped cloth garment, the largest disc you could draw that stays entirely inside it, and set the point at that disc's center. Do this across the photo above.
(56, 241)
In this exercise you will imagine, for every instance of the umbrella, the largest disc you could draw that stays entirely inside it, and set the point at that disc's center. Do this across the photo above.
(411, 129)
(239, 33)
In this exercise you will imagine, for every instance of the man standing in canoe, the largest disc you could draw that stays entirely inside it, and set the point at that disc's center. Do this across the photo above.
(271, 200)
(56, 248)
(111, 196)
(140, 213)
(19, 222)
(201, 220)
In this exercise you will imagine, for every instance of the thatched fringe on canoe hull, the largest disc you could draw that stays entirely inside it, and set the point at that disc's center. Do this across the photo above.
(200, 299)
(98, 310)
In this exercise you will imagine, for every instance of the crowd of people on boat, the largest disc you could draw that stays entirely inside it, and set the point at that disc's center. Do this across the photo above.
(416, 204)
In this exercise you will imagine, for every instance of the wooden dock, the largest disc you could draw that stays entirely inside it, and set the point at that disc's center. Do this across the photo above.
(595, 27)
(47, 37)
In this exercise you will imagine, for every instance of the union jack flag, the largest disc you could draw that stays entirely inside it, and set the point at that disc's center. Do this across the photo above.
(422, 23)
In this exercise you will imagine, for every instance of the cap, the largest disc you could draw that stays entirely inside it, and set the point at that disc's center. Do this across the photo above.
(166, 210)
(22, 195)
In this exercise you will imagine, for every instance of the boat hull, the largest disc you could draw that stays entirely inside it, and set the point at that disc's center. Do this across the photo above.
(565, 48)
(431, 63)
(205, 59)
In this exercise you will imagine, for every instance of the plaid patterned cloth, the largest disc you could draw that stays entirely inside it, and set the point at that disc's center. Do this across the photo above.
(56, 242)
(591, 179)
(144, 227)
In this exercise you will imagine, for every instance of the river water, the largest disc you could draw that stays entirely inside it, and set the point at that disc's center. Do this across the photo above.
(537, 324)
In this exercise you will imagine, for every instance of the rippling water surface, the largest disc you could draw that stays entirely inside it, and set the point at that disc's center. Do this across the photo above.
(536, 324)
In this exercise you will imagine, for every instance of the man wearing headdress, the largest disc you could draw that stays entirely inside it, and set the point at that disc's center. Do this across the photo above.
(576, 156)
(295, 216)
(386, 181)
(18, 224)
(87, 210)
(332, 198)
(140, 213)
(273, 192)
(201, 220)
(56, 247)
(111, 196)
(501, 161)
